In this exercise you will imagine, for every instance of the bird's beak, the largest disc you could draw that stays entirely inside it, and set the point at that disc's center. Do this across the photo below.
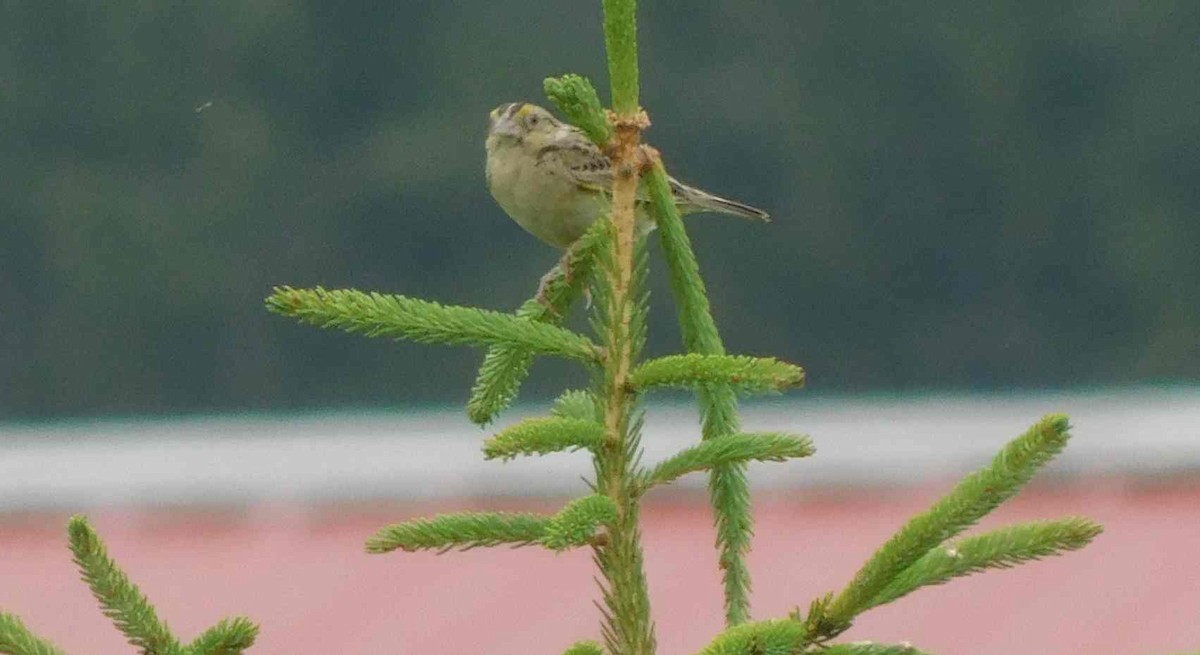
(499, 120)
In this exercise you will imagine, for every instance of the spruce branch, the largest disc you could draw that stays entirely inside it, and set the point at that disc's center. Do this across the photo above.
(399, 317)
(999, 549)
(729, 494)
(696, 322)
(227, 637)
(119, 598)
(869, 648)
(739, 448)
(500, 376)
(541, 436)
(575, 525)
(577, 404)
(16, 639)
(728, 489)
(584, 648)
(739, 372)
(506, 366)
(977, 494)
(464, 530)
(771, 637)
(578, 101)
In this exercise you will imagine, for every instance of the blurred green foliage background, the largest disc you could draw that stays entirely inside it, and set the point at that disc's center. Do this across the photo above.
(966, 195)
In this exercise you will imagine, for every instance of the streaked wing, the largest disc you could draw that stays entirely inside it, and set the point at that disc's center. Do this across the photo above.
(573, 155)
(578, 158)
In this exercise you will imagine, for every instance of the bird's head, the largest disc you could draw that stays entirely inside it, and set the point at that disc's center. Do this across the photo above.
(517, 121)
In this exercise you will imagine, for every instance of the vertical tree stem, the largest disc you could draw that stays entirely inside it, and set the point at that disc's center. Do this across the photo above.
(628, 629)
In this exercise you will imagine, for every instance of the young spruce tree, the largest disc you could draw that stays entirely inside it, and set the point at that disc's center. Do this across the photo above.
(605, 422)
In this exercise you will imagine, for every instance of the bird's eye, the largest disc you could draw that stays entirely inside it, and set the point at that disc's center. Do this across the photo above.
(533, 120)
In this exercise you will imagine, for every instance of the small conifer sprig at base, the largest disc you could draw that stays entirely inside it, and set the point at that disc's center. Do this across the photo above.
(16, 639)
(129, 609)
(119, 598)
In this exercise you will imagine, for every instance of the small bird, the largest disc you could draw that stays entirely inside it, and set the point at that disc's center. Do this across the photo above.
(554, 181)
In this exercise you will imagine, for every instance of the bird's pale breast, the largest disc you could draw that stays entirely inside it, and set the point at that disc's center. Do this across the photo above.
(544, 202)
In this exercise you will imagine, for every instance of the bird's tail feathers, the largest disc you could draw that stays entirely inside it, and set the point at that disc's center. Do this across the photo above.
(695, 200)
(735, 208)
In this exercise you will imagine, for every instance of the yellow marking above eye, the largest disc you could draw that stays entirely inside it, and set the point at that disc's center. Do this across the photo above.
(524, 111)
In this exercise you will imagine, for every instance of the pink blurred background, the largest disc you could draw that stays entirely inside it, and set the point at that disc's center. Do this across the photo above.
(300, 571)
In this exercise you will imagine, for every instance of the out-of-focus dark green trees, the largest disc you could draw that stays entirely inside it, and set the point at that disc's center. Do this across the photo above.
(965, 196)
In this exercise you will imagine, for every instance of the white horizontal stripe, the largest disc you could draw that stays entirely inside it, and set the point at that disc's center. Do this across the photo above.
(423, 454)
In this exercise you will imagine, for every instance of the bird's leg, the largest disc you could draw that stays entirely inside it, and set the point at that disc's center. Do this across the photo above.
(562, 273)
(543, 291)
(559, 274)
